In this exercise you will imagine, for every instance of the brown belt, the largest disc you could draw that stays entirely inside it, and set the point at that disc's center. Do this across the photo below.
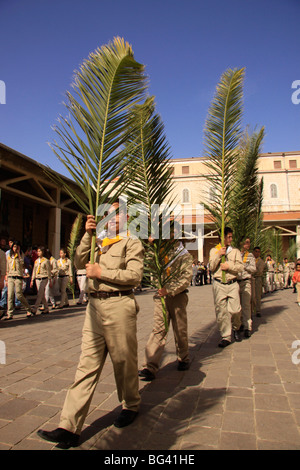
(106, 295)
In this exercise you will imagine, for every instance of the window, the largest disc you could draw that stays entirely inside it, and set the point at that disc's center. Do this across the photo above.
(185, 195)
(274, 193)
(293, 163)
(277, 164)
(185, 170)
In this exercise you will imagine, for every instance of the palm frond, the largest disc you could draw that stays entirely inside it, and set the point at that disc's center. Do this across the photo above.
(72, 245)
(152, 188)
(92, 137)
(222, 133)
(246, 193)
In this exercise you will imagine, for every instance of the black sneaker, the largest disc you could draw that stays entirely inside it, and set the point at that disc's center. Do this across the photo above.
(224, 343)
(183, 365)
(64, 438)
(125, 418)
(146, 374)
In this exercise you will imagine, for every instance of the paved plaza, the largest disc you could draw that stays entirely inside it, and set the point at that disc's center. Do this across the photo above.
(246, 396)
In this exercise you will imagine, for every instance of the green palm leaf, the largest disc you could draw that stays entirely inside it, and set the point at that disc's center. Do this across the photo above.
(246, 194)
(152, 188)
(221, 137)
(92, 137)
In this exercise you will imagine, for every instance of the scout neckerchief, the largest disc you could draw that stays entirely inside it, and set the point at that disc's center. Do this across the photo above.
(107, 241)
(180, 251)
(13, 264)
(40, 261)
(228, 249)
(245, 256)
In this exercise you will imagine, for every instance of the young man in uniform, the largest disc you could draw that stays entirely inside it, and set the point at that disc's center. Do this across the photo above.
(176, 298)
(244, 280)
(257, 282)
(226, 294)
(110, 327)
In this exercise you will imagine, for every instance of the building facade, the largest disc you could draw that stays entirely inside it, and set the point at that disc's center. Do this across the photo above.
(281, 197)
(34, 210)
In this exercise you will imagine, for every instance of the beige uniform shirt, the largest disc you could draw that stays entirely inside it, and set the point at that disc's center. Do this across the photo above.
(121, 264)
(182, 270)
(260, 267)
(234, 259)
(15, 266)
(64, 267)
(249, 266)
(41, 269)
(2, 263)
(53, 266)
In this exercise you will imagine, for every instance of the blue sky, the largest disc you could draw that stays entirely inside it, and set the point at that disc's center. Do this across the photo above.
(186, 46)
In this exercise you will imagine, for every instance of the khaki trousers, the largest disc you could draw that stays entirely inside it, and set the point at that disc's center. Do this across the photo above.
(176, 313)
(245, 299)
(271, 281)
(257, 286)
(63, 284)
(286, 277)
(109, 327)
(298, 292)
(227, 307)
(12, 286)
(40, 298)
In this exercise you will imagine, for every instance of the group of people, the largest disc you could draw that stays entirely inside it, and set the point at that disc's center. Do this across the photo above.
(38, 271)
(201, 274)
(110, 325)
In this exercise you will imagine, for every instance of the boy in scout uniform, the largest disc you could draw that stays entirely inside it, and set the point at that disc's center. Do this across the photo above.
(110, 327)
(226, 294)
(257, 282)
(271, 286)
(15, 274)
(286, 273)
(64, 268)
(175, 293)
(244, 280)
(41, 275)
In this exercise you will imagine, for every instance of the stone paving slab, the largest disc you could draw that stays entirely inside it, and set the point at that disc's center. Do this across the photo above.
(245, 397)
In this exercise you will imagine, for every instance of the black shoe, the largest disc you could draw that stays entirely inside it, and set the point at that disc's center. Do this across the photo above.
(146, 374)
(237, 336)
(224, 343)
(125, 418)
(247, 333)
(183, 365)
(64, 438)
(258, 315)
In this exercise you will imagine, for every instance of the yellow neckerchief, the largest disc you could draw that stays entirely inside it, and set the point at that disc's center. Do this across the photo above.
(13, 266)
(62, 261)
(256, 259)
(111, 241)
(168, 270)
(40, 261)
(218, 247)
(245, 256)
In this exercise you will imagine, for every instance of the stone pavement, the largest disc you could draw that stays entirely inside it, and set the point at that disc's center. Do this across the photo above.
(244, 397)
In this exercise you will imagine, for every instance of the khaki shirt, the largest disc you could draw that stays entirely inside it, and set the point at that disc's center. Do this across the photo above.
(122, 264)
(15, 266)
(182, 269)
(286, 268)
(260, 267)
(234, 260)
(2, 263)
(270, 266)
(249, 266)
(53, 266)
(41, 269)
(64, 267)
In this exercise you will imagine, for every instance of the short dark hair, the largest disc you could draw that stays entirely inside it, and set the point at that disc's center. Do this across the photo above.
(256, 248)
(227, 230)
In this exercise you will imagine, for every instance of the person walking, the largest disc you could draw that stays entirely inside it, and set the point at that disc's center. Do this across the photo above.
(109, 327)
(270, 274)
(257, 282)
(286, 273)
(296, 281)
(81, 281)
(244, 280)
(50, 288)
(64, 277)
(176, 299)
(41, 275)
(226, 294)
(15, 275)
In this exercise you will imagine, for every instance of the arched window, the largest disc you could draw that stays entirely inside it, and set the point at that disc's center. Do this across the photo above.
(185, 195)
(274, 192)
